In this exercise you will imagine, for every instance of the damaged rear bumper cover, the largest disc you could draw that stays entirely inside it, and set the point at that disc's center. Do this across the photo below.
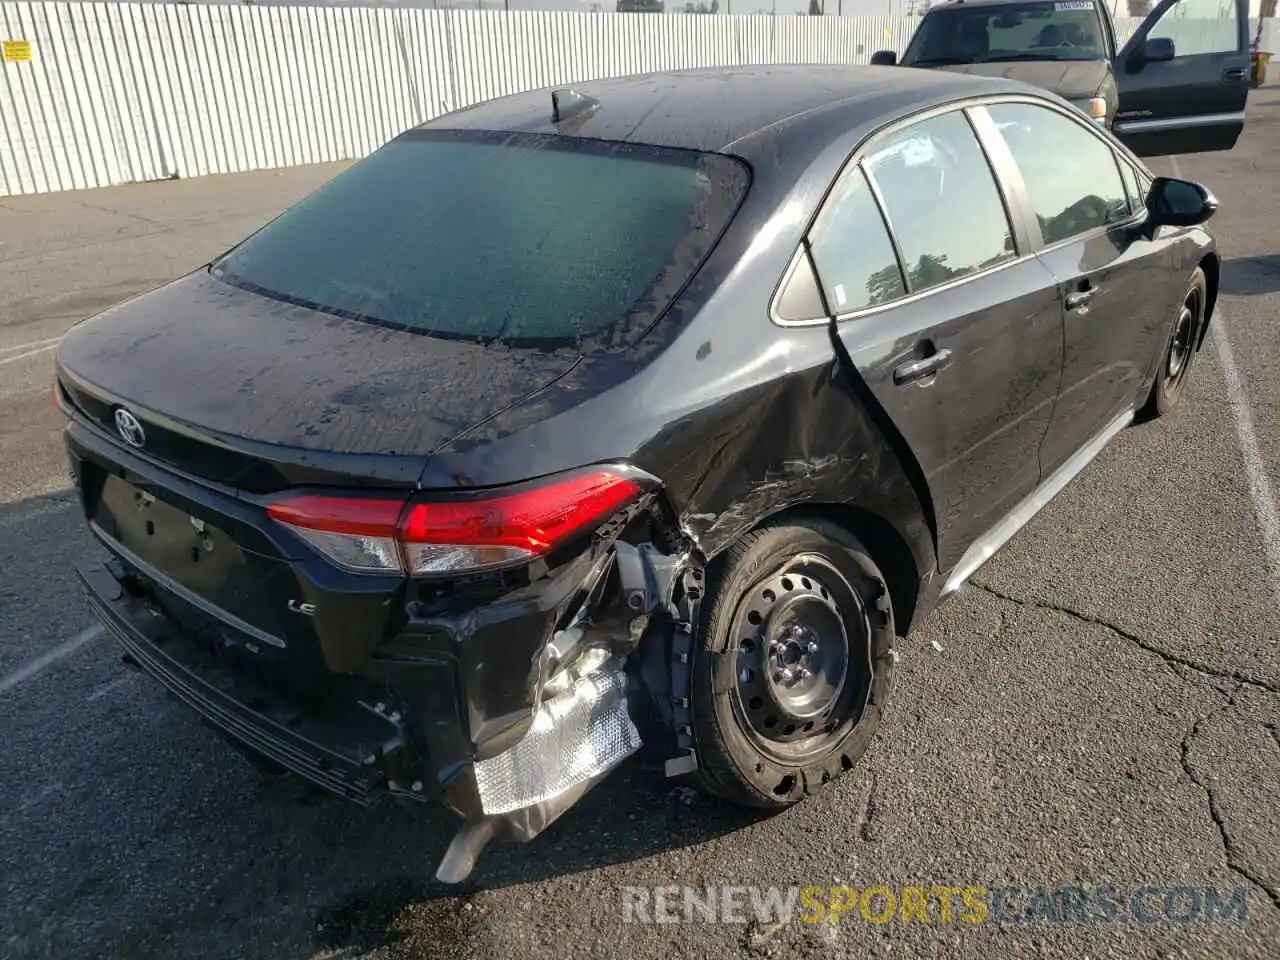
(363, 750)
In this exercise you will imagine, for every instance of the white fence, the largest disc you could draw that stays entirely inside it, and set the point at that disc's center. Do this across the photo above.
(123, 92)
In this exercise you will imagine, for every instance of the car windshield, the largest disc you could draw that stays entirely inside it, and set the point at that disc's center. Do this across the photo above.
(1056, 30)
(527, 240)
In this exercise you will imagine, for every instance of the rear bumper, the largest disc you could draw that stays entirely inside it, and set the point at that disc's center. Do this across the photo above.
(357, 754)
(361, 750)
(371, 691)
(461, 670)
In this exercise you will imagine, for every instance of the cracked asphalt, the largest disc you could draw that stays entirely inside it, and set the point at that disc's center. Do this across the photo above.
(1100, 707)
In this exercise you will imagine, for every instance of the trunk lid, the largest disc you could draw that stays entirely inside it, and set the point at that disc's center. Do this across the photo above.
(257, 394)
(443, 279)
(238, 396)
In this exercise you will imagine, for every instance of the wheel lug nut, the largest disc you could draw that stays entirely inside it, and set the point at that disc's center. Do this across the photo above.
(805, 673)
(784, 675)
(813, 647)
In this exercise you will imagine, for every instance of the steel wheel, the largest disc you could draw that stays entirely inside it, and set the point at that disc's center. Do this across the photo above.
(803, 661)
(1186, 330)
(793, 664)
(1179, 350)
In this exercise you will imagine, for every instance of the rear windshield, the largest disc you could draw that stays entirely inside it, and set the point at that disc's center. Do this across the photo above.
(1055, 30)
(528, 240)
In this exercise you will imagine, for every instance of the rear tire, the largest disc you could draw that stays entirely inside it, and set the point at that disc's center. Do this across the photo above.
(1179, 350)
(793, 666)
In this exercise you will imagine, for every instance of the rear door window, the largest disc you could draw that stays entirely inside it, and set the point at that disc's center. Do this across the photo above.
(852, 249)
(941, 200)
(519, 239)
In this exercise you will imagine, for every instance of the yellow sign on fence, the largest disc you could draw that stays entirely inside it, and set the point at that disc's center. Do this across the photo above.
(17, 51)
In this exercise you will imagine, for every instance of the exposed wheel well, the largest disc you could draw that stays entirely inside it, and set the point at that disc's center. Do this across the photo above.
(888, 549)
(1212, 268)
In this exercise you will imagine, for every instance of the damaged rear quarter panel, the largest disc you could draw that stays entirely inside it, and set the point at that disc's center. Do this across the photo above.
(737, 428)
(796, 439)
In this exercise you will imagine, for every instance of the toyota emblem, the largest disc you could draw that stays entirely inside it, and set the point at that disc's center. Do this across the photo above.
(129, 428)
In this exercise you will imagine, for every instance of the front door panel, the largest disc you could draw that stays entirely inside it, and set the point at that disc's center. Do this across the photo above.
(1110, 279)
(1115, 294)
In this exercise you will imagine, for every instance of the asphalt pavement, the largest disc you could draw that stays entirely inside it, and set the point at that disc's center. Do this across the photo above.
(1101, 706)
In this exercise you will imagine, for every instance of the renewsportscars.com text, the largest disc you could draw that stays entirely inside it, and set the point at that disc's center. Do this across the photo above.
(934, 904)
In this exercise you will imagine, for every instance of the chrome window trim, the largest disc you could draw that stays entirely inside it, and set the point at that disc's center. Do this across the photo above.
(854, 160)
(969, 106)
(893, 304)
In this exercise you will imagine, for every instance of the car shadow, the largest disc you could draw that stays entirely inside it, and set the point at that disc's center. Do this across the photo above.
(1251, 276)
(632, 815)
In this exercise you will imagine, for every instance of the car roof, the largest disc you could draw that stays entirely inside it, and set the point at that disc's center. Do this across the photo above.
(737, 110)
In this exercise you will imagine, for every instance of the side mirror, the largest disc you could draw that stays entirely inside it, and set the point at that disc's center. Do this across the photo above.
(1179, 203)
(884, 58)
(1158, 50)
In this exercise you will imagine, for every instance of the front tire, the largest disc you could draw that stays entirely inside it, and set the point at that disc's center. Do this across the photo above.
(1179, 350)
(794, 664)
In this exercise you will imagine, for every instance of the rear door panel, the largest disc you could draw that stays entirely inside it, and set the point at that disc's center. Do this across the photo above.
(964, 353)
(976, 428)
(1195, 102)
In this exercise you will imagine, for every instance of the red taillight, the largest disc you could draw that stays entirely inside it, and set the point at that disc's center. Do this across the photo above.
(384, 534)
(359, 534)
(345, 515)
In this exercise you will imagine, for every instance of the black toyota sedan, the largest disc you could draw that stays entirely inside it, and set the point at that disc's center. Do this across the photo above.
(646, 416)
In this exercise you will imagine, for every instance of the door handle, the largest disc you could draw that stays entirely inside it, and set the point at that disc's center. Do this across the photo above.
(1234, 74)
(1080, 298)
(919, 369)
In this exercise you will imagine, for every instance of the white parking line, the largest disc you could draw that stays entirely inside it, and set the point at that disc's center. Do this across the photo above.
(27, 346)
(45, 660)
(29, 353)
(1264, 501)
(107, 687)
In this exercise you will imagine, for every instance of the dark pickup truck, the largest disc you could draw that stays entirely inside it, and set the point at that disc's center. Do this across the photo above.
(1178, 85)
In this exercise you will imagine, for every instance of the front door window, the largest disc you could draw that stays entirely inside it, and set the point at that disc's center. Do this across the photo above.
(1198, 26)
